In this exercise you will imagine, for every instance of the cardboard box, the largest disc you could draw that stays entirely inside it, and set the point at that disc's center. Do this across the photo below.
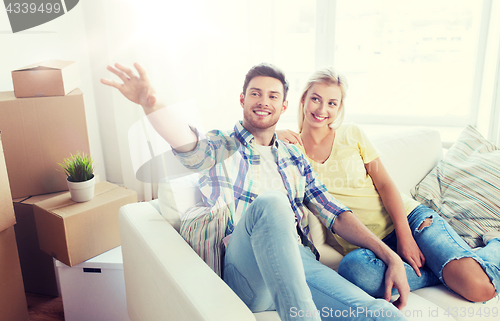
(37, 267)
(74, 232)
(13, 304)
(47, 78)
(7, 218)
(98, 283)
(37, 134)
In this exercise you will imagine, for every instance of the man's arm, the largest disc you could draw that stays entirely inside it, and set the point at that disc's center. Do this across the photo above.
(350, 228)
(165, 121)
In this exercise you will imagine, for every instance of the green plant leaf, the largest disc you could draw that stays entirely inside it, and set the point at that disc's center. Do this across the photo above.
(79, 167)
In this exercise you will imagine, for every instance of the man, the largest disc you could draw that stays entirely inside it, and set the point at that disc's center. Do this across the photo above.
(261, 187)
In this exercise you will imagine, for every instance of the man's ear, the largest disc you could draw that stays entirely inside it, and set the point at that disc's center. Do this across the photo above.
(242, 99)
(284, 107)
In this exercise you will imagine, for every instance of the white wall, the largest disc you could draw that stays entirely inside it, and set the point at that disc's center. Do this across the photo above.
(62, 38)
(198, 49)
(191, 50)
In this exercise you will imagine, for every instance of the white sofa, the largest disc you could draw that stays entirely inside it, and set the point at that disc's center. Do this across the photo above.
(166, 280)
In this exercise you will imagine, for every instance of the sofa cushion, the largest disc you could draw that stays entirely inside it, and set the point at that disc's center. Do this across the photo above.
(455, 307)
(175, 196)
(421, 308)
(409, 155)
(463, 188)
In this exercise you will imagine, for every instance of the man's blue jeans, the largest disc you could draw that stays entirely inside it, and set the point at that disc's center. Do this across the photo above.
(438, 242)
(269, 270)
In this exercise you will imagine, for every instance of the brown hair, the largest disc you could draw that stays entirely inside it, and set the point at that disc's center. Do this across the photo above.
(266, 70)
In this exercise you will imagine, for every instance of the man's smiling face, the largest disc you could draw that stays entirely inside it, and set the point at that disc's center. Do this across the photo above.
(262, 103)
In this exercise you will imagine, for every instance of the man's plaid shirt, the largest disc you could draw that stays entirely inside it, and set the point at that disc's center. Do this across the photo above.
(230, 168)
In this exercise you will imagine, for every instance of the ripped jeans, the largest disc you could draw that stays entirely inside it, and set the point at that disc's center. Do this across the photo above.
(438, 242)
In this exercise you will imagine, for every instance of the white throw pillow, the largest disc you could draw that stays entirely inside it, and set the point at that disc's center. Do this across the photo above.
(409, 155)
(175, 196)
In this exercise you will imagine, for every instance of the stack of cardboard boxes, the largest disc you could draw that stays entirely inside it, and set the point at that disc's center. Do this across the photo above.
(12, 298)
(41, 123)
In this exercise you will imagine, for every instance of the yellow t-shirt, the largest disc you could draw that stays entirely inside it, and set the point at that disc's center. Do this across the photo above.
(345, 177)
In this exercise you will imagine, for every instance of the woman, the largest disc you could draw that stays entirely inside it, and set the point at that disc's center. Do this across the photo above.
(349, 166)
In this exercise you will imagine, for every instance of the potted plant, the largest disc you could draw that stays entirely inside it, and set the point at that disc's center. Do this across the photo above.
(79, 170)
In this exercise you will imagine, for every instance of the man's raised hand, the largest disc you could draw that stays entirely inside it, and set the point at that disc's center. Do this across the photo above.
(135, 88)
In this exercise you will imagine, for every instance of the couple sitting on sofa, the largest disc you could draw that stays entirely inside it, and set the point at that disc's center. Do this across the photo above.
(255, 189)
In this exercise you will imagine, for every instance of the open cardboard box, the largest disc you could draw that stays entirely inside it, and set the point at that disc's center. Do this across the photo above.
(47, 78)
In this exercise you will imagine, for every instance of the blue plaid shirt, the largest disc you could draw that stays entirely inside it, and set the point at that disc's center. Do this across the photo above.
(230, 165)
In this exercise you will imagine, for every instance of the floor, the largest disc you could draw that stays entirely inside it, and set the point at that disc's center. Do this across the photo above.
(44, 308)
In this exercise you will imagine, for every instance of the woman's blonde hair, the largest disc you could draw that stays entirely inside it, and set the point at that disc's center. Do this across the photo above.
(330, 77)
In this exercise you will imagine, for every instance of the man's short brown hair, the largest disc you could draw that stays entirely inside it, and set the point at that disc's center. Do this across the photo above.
(266, 70)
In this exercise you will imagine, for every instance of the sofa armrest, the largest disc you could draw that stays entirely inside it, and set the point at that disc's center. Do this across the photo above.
(165, 279)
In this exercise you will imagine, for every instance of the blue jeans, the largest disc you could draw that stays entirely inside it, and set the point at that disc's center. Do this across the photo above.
(269, 270)
(438, 242)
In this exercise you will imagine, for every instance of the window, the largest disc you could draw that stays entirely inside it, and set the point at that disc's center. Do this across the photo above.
(408, 62)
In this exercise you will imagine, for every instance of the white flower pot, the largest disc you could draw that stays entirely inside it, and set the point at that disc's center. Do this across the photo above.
(82, 191)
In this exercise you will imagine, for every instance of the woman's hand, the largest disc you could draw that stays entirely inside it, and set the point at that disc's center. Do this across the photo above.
(410, 252)
(135, 88)
(289, 136)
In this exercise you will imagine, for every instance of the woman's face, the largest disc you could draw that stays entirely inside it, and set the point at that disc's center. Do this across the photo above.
(321, 104)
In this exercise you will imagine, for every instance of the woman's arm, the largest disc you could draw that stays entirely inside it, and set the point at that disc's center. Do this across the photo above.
(391, 198)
